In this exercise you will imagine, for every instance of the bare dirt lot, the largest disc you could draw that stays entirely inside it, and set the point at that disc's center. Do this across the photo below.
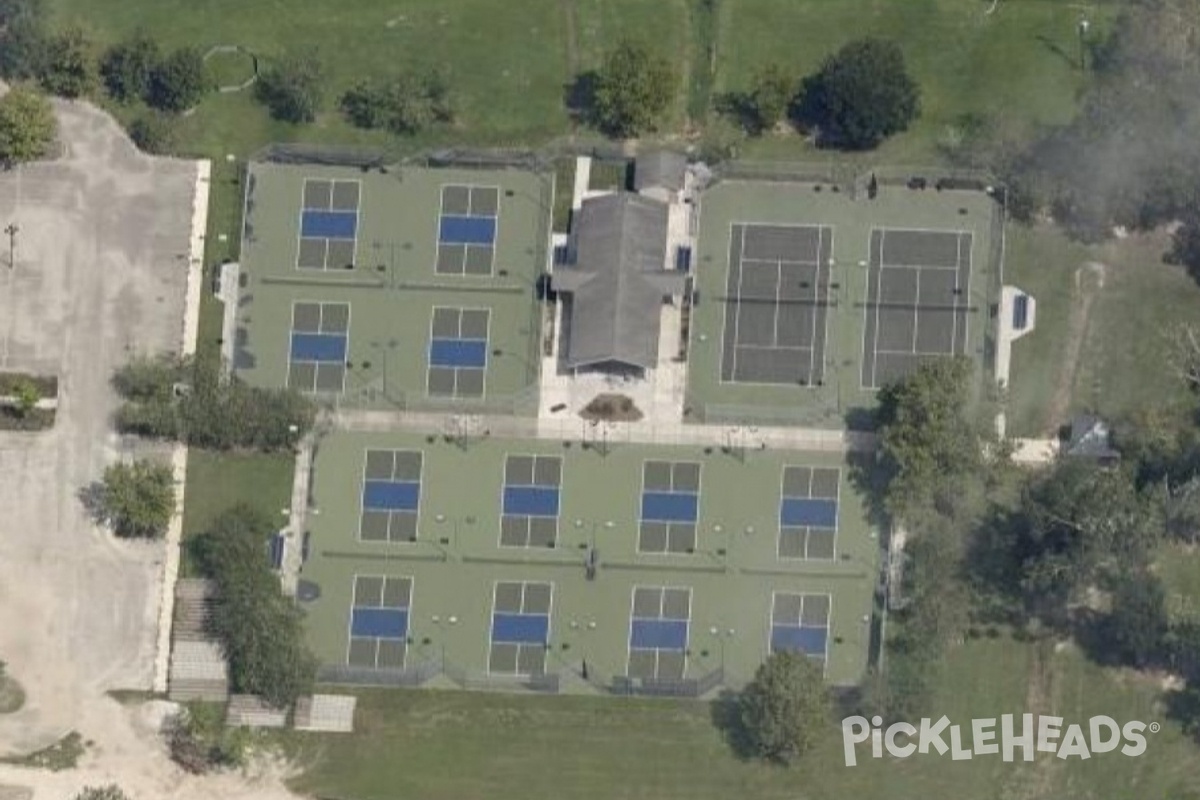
(100, 273)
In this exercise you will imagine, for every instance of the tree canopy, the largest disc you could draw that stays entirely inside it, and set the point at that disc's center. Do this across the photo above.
(22, 38)
(861, 95)
(67, 69)
(786, 708)
(771, 95)
(292, 88)
(138, 499)
(127, 67)
(211, 410)
(27, 125)
(178, 81)
(632, 90)
(928, 442)
(258, 627)
(404, 105)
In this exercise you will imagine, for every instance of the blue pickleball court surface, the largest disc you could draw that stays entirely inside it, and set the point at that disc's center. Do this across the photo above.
(455, 229)
(520, 628)
(318, 347)
(379, 623)
(534, 501)
(811, 512)
(458, 353)
(659, 634)
(329, 224)
(810, 641)
(391, 495)
(670, 506)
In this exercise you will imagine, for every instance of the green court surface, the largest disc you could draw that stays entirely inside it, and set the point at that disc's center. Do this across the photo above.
(445, 562)
(852, 318)
(369, 267)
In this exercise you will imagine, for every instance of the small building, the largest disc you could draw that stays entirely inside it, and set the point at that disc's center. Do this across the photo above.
(660, 174)
(1090, 437)
(616, 284)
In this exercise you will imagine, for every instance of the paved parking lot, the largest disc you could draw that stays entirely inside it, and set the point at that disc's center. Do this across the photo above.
(100, 273)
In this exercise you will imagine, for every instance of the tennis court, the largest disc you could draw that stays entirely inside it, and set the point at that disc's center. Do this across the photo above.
(917, 302)
(776, 301)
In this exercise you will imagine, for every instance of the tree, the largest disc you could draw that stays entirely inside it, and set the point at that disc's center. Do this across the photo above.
(127, 67)
(405, 105)
(633, 88)
(179, 81)
(928, 445)
(22, 38)
(153, 132)
(67, 69)
(27, 125)
(27, 396)
(259, 629)
(109, 792)
(1137, 624)
(138, 500)
(861, 95)
(197, 402)
(1077, 522)
(292, 87)
(785, 709)
(773, 92)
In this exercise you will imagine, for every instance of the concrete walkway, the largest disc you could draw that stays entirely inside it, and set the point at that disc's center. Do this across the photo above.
(746, 437)
(179, 454)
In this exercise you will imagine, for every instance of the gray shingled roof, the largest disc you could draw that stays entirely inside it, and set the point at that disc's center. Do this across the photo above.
(618, 281)
(1090, 438)
(663, 168)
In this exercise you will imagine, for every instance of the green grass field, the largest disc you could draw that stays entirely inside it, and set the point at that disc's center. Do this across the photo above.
(476, 745)
(1112, 363)
(217, 481)
(510, 69)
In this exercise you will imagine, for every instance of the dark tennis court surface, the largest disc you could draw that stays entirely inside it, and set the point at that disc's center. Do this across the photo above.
(918, 301)
(776, 304)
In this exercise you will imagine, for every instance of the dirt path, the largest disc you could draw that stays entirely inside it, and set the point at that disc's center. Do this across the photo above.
(1089, 281)
(572, 24)
(1034, 781)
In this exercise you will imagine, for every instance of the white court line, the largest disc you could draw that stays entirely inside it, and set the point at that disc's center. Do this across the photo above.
(737, 314)
(878, 303)
(812, 350)
(939, 354)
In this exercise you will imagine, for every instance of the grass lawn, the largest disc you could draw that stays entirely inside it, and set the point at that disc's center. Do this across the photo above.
(1179, 567)
(216, 481)
(1115, 362)
(465, 746)
(1016, 63)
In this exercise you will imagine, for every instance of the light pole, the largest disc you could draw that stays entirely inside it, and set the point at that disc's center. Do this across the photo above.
(12, 230)
(583, 627)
